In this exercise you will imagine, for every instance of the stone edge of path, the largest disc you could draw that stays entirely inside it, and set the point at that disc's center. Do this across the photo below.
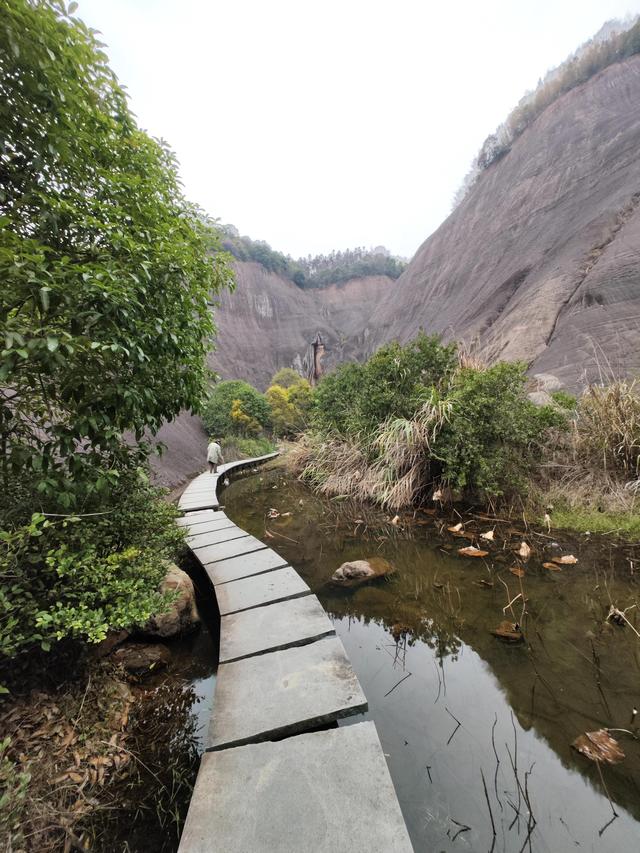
(200, 501)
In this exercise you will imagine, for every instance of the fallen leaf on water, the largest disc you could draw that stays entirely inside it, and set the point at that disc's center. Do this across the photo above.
(567, 560)
(456, 528)
(509, 632)
(472, 551)
(525, 551)
(552, 567)
(483, 582)
(599, 746)
(518, 571)
(488, 535)
(268, 534)
(437, 585)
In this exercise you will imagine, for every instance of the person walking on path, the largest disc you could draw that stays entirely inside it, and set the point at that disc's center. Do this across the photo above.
(214, 456)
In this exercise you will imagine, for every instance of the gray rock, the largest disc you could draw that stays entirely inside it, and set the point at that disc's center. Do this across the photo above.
(540, 398)
(182, 615)
(142, 658)
(328, 792)
(360, 571)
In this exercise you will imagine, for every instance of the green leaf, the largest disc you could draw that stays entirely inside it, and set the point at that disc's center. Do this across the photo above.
(52, 343)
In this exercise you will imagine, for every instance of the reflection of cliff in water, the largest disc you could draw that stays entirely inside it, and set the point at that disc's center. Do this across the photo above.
(575, 673)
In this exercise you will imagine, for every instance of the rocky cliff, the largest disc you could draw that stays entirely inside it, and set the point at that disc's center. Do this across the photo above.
(268, 322)
(538, 263)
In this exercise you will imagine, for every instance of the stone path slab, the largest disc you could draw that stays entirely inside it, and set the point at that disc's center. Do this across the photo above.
(224, 550)
(278, 585)
(198, 517)
(273, 627)
(204, 525)
(323, 792)
(236, 568)
(283, 693)
(199, 539)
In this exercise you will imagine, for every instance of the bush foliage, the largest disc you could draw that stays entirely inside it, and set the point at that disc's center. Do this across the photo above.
(411, 420)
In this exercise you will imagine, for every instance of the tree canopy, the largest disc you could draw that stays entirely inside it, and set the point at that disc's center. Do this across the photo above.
(106, 267)
(106, 271)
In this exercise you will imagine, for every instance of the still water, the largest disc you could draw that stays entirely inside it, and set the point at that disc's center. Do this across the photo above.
(477, 733)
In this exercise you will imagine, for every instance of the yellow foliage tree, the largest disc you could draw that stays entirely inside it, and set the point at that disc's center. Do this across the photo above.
(245, 424)
(290, 406)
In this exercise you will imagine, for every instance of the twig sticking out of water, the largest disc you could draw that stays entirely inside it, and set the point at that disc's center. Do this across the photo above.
(456, 728)
(486, 794)
(396, 684)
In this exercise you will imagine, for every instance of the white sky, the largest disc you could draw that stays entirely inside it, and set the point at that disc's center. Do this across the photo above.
(327, 125)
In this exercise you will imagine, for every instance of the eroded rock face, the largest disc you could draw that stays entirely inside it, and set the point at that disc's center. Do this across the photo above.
(182, 615)
(361, 571)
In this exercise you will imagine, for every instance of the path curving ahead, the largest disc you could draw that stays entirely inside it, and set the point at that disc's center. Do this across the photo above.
(278, 774)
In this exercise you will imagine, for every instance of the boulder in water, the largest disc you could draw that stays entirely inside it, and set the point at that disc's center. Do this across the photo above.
(361, 571)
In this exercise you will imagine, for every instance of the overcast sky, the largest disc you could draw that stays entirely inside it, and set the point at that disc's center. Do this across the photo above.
(327, 125)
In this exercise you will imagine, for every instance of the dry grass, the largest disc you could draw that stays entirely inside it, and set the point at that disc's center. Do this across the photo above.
(607, 428)
(393, 471)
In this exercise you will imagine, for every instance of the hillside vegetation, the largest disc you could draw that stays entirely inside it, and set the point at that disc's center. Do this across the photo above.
(317, 270)
(615, 41)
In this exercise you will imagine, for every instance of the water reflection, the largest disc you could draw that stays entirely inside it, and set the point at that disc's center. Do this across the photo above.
(477, 733)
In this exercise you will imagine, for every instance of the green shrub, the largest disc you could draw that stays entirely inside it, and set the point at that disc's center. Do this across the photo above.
(236, 447)
(217, 417)
(393, 383)
(14, 789)
(79, 576)
(564, 400)
(489, 440)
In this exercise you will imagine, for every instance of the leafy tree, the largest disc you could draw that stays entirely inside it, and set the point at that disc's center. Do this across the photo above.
(286, 377)
(290, 406)
(105, 266)
(217, 414)
(106, 273)
(243, 423)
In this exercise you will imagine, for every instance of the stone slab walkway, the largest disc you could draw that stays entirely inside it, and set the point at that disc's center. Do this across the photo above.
(269, 781)
(325, 792)
(278, 585)
(283, 693)
(272, 628)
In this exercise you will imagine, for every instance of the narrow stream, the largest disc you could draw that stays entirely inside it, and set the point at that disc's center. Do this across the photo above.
(477, 732)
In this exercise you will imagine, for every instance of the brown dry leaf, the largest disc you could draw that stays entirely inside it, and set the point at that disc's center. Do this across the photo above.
(456, 528)
(509, 632)
(395, 519)
(488, 535)
(525, 551)
(599, 746)
(552, 567)
(78, 778)
(69, 738)
(518, 571)
(566, 560)
(472, 551)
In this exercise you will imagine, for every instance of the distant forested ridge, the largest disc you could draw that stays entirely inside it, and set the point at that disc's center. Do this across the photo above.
(317, 271)
(615, 40)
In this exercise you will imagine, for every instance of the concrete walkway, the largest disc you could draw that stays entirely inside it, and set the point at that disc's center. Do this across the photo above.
(278, 774)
